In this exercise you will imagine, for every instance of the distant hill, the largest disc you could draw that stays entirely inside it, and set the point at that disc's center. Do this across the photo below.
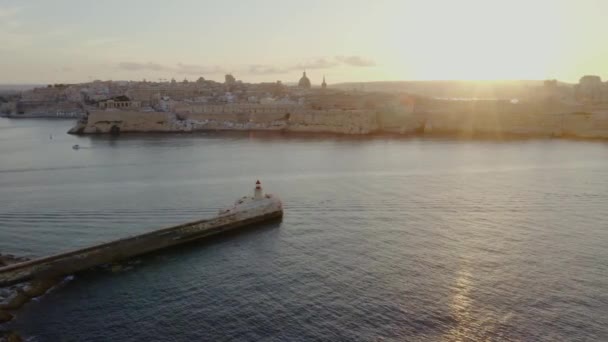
(450, 89)
(9, 88)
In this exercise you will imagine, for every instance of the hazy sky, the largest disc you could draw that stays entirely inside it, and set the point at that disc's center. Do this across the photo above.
(267, 40)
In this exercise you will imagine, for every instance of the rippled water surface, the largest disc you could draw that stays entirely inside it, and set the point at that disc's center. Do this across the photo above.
(383, 239)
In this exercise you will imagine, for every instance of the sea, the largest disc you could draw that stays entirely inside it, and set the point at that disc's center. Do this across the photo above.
(383, 238)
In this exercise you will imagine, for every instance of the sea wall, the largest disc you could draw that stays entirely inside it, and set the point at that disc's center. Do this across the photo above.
(328, 121)
(462, 122)
(576, 124)
(125, 121)
(586, 125)
(497, 120)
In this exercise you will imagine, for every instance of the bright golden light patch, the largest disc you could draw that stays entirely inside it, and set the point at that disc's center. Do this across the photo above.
(479, 39)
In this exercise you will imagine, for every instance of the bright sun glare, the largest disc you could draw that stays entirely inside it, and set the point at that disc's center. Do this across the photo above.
(479, 40)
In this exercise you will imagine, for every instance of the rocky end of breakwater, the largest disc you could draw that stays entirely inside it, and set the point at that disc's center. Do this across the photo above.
(10, 336)
(12, 298)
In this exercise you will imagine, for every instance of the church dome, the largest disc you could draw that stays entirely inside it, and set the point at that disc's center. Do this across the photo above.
(304, 81)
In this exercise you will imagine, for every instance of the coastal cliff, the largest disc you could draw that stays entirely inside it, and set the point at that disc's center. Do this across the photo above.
(461, 123)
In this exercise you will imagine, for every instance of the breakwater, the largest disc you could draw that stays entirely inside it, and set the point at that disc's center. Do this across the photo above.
(246, 211)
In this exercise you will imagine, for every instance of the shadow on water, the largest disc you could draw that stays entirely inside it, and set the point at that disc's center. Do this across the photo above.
(261, 136)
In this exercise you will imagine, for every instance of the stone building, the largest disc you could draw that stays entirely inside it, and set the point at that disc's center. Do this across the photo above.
(234, 108)
(111, 104)
(590, 89)
(229, 79)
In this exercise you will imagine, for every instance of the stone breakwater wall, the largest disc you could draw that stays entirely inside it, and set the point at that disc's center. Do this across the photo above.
(462, 122)
(59, 265)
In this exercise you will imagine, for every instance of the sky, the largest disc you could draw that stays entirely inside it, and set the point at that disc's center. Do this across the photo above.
(64, 41)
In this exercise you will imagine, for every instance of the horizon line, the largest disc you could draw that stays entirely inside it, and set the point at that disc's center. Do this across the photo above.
(346, 82)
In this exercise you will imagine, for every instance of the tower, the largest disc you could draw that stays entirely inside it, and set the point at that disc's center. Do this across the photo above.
(323, 85)
(258, 194)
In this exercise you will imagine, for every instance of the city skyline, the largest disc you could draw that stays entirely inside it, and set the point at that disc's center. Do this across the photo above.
(70, 41)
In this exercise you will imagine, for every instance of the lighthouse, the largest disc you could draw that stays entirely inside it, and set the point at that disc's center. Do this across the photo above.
(258, 194)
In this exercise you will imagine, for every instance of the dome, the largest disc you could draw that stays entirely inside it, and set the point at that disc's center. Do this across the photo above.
(304, 81)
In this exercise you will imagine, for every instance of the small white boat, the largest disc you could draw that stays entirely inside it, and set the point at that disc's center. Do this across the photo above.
(75, 147)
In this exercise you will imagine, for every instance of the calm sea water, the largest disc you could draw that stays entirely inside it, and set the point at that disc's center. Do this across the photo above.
(383, 239)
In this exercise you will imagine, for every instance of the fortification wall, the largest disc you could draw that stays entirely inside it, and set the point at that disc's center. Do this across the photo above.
(497, 119)
(237, 117)
(586, 125)
(304, 120)
(468, 124)
(128, 121)
(334, 121)
(401, 122)
(583, 125)
(459, 123)
(248, 108)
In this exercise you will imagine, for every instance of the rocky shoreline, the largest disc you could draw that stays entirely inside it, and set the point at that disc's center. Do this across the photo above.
(10, 336)
(14, 297)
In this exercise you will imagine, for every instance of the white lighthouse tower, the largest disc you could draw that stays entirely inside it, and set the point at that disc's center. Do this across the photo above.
(258, 194)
